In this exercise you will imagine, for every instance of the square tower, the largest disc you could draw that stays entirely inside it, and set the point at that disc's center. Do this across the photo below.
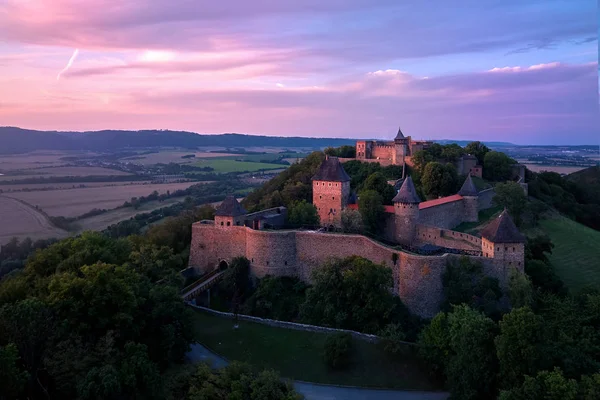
(502, 241)
(331, 191)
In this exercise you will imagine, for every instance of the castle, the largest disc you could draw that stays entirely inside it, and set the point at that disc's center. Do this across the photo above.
(413, 225)
(400, 151)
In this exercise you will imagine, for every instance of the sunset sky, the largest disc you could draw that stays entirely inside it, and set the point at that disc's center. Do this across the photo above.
(508, 70)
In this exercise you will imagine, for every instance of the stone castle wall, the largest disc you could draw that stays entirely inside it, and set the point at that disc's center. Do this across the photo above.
(446, 215)
(447, 238)
(485, 198)
(330, 196)
(383, 151)
(383, 162)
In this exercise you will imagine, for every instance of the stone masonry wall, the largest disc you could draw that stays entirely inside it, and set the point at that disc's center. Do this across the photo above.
(485, 198)
(447, 215)
(385, 152)
(271, 252)
(330, 196)
(447, 238)
(383, 162)
(211, 244)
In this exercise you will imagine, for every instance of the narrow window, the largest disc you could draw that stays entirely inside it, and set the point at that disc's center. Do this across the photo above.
(221, 223)
(505, 248)
(513, 249)
(228, 223)
(285, 262)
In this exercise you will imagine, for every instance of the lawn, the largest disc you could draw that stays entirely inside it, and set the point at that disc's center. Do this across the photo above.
(484, 217)
(297, 355)
(225, 166)
(576, 253)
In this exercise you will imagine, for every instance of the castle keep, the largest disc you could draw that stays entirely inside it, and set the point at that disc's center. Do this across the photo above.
(412, 224)
(395, 152)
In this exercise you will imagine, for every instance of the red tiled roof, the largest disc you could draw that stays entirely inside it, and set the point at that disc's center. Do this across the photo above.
(388, 209)
(437, 202)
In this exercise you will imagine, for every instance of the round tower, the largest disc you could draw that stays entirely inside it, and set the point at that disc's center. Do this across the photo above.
(406, 212)
(470, 196)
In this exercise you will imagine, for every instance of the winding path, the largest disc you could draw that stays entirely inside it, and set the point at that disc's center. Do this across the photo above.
(314, 391)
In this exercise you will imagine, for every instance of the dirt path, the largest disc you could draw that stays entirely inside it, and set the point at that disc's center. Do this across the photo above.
(17, 218)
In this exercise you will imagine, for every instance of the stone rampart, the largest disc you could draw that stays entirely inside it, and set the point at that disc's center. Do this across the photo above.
(447, 238)
(445, 215)
(271, 252)
(485, 198)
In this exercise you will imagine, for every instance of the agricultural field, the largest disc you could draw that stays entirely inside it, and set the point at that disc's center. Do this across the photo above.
(75, 202)
(65, 185)
(225, 166)
(168, 156)
(36, 159)
(576, 253)
(561, 169)
(20, 220)
(61, 171)
(102, 221)
(297, 355)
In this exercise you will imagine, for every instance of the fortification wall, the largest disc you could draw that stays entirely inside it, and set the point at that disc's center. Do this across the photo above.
(383, 152)
(447, 238)
(417, 279)
(485, 198)
(446, 215)
(271, 253)
(211, 244)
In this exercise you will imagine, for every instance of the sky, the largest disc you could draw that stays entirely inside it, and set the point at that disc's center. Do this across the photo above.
(496, 70)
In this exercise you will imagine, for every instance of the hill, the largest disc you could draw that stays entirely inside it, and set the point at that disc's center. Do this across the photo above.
(16, 140)
(576, 253)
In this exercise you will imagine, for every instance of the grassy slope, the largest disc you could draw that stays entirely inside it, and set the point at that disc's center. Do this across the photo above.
(224, 166)
(576, 255)
(297, 355)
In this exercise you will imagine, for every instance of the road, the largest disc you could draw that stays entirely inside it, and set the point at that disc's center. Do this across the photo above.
(312, 391)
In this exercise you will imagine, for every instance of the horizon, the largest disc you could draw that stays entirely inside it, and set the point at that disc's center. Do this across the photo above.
(525, 74)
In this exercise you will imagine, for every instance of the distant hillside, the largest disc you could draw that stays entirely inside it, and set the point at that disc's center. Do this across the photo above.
(463, 143)
(16, 140)
(588, 180)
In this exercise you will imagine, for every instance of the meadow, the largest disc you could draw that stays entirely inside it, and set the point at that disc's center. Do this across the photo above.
(227, 165)
(171, 156)
(75, 202)
(576, 253)
(560, 169)
(297, 355)
(61, 171)
(20, 220)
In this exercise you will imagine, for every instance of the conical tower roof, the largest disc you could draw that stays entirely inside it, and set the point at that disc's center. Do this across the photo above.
(230, 208)
(407, 193)
(502, 230)
(331, 170)
(468, 188)
(399, 135)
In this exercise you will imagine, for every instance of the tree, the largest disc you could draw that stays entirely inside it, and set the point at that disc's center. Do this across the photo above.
(544, 277)
(238, 381)
(478, 150)
(434, 344)
(303, 213)
(352, 221)
(352, 293)
(537, 247)
(439, 179)
(471, 368)
(545, 385)
(421, 158)
(452, 152)
(277, 298)
(511, 196)
(337, 350)
(520, 346)
(497, 166)
(520, 291)
(236, 279)
(12, 380)
(370, 206)
(465, 283)
(378, 183)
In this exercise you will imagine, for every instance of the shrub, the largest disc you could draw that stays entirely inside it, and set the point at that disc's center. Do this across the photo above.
(337, 351)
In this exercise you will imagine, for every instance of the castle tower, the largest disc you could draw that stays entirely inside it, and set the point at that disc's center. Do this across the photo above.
(400, 148)
(230, 213)
(331, 190)
(406, 211)
(470, 196)
(501, 240)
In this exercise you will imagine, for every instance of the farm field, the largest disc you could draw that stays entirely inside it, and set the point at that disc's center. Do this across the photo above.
(102, 221)
(576, 253)
(36, 159)
(18, 219)
(63, 171)
(165, 157)
(297, 355)
(225, 166)
(66, 185)
(75, 202)
(553, 168)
